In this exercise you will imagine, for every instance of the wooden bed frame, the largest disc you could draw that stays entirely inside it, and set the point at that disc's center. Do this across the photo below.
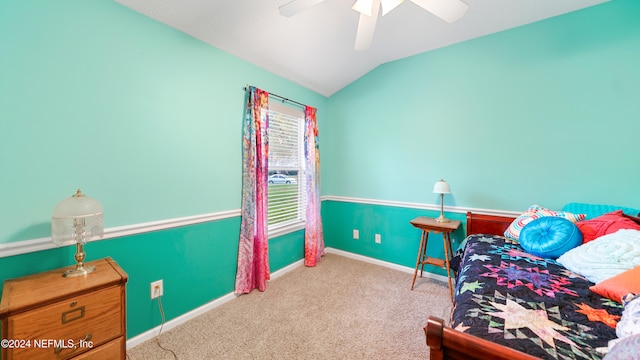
(447, 343)
(487, 224)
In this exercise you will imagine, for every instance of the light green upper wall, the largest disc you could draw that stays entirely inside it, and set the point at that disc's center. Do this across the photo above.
(140, 116)
(148, 120)
(546, 113)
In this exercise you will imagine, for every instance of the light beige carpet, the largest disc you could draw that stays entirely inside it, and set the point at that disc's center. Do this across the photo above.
(341, 309)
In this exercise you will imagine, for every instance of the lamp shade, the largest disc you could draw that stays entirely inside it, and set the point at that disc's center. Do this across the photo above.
(77, 219)
(441, 187)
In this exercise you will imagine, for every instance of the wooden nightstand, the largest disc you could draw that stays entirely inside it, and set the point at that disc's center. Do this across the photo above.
(427, 225)
(48, 316)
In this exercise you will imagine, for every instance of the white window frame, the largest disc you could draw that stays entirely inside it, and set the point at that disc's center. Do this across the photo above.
(279, 109)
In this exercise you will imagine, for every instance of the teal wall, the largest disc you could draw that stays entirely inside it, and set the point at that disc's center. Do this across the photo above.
(148, 120)
(196, 263)
(141, 117)
(400, 241)
(546, 113)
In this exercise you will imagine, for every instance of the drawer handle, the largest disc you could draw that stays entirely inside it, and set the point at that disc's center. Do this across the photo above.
(58, 349)
(72, 315)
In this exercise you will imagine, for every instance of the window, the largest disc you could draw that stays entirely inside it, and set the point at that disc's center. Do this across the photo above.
(287, 195)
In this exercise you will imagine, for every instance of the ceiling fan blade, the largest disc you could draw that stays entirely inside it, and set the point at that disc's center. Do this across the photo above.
(363, 6)
(293, 7)
(447, 10)
(367, 27)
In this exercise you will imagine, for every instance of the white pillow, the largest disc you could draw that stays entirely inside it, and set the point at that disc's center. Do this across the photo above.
(604, 257)
(536, 212)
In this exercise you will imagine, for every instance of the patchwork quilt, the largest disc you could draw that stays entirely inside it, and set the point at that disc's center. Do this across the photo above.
(528, 303)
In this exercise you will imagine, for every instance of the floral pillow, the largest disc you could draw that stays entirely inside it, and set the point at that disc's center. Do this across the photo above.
(536, 212)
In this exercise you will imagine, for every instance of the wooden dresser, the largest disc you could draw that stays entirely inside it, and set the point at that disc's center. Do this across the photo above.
(48, 316)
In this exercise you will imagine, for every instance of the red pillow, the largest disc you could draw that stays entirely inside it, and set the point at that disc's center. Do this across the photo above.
(615, 288)
(635, 219)
(605, 224)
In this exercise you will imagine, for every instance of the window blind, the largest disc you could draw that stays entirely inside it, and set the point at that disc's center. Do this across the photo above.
(286, 193)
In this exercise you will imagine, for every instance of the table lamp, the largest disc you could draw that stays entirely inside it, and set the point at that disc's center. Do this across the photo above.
(441, 187)
(76, 220)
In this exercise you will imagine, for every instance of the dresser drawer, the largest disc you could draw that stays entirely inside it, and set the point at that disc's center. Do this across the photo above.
(95, 317)
(113, 350)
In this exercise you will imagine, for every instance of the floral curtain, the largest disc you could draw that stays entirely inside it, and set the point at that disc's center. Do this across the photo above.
(253, 252)
(313, 236)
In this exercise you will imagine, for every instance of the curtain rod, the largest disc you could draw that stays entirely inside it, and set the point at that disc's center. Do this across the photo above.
(279, 97)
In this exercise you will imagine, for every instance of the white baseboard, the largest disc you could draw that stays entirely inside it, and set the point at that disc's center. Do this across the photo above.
(387, 264)
(150, 334)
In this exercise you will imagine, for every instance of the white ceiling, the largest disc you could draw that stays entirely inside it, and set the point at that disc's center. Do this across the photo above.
(315, 48)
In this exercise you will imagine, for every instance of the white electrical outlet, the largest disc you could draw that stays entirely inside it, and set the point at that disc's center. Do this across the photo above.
(356, 234)
(378, 239)
(157, 289)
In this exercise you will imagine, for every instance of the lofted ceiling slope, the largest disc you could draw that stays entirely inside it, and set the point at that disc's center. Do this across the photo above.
(315, 48)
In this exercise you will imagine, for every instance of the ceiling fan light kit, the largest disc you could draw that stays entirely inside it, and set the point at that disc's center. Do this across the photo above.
(447, 10)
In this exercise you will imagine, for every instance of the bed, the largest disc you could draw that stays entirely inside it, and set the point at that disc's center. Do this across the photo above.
(510, 304)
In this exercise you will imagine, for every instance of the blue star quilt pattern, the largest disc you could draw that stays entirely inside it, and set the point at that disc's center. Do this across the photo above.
(528, 303)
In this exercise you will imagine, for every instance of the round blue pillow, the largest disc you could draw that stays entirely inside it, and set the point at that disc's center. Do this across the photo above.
(550, 237)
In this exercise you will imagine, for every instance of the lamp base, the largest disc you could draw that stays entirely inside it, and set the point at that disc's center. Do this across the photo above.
(79, 270)
(441, 218)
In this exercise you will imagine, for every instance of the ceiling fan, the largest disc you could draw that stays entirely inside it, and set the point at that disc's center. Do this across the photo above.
(447, 10)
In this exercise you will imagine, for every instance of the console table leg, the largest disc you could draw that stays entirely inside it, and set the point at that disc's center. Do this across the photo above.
(447, 257)
(419, 260)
